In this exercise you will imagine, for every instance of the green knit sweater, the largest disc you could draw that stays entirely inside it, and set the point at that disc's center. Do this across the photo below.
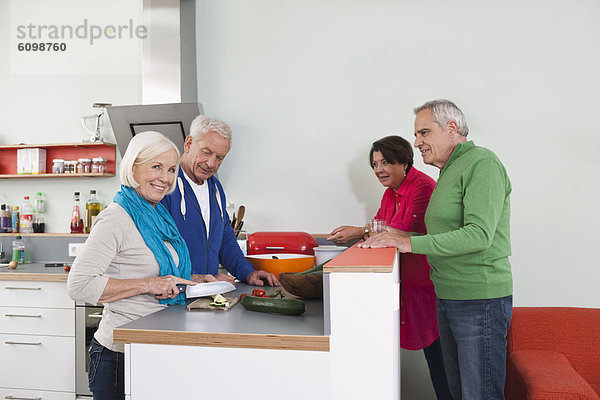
(468, 227)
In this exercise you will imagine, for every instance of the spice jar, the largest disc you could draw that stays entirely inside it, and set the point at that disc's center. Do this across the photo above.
(99, 165)
(73, 166)
(84, 166)
(58, 166)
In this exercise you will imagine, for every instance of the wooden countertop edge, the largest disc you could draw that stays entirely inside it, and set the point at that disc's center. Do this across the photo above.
(32, 277)
(359, 269)
(218, 339)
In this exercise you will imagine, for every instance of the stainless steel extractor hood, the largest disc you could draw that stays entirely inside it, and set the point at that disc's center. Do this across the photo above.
(172, 120)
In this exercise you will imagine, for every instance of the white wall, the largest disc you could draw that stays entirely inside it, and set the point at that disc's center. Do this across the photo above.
(46, 107)
(308, 85)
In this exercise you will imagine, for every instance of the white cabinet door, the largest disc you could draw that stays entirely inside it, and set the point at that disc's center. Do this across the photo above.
(259, 373)
(35, 294)
(37, 321)
(37, 362)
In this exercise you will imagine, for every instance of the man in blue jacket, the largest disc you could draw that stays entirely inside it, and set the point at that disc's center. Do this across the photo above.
(198, 207)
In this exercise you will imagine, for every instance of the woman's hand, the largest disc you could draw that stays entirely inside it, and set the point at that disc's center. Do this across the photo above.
(226, 278)
(388, 239)
(165, 287)
(344, 234)
(199, 278)
(213, 278)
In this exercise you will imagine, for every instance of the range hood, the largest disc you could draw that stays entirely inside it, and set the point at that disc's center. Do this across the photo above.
(172, 120)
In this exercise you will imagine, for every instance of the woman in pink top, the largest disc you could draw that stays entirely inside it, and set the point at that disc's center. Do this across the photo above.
(403, 208)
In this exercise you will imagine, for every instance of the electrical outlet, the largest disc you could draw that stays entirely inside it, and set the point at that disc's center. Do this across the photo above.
(74, 249)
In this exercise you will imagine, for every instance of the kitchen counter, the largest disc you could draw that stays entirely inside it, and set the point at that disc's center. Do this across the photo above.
(236, 327)
(344, 347)
(36, 272)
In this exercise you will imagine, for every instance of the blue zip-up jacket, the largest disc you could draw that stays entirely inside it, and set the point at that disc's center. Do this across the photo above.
(221, 246)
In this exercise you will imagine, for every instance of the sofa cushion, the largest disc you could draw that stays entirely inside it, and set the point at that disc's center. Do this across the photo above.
(572, 331)
(546, 375)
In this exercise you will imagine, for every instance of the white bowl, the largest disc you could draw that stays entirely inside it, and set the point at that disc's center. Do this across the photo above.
(326, 253)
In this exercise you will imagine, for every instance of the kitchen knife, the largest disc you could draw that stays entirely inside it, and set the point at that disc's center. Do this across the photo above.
(208, 289)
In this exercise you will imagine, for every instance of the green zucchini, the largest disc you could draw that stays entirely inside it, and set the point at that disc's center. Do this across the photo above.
(272, 305)
(313, 270)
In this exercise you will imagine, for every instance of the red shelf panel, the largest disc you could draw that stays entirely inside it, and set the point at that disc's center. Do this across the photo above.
(66, 151)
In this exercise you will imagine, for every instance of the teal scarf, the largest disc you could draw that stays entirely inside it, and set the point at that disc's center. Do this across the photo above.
(156, 226)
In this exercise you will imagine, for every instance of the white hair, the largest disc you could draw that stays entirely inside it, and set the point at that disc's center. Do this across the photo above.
(142, 148)
(444, 111)
(202, 124)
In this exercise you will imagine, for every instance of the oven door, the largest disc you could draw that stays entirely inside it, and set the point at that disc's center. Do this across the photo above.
(87, 318)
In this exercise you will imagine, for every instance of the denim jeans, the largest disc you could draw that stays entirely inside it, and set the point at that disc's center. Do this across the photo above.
(473, 339)
(106, 373)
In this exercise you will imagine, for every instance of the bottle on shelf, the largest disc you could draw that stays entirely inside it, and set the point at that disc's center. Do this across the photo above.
(92, 209)
(18, 250)
(39, 208)
(26, 218)
(5, 219)
(15, 217)
(76, 221)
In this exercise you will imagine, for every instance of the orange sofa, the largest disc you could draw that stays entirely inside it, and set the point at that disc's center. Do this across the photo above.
(553, 353)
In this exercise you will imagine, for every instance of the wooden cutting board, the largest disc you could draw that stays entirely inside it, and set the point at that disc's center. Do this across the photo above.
(203, 304)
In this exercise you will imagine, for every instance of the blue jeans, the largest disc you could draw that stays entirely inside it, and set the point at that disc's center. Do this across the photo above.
(473, 339)
(106, 373)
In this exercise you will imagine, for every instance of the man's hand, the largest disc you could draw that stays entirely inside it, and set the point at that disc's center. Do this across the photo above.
(398, 231)
(388, 239)
(258, 278)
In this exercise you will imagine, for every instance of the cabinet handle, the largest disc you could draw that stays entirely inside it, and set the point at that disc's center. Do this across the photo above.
(25, 343)
(23, 315)
(22, 288)
(11, 397)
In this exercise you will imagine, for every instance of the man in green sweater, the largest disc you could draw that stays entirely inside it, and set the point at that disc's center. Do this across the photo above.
(467, 244)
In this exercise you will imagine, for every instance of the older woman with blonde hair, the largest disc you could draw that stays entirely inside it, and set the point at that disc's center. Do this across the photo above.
(134, 257)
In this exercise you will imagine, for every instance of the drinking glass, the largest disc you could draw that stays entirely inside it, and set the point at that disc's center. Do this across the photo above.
(376, 226)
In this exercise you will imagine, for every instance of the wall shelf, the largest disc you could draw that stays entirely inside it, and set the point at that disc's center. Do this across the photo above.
(66, 151)
(47, 234)
(34, 176)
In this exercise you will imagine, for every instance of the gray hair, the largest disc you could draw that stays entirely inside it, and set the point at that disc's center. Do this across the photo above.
(202, 124)
(142, 148)
(444, 111)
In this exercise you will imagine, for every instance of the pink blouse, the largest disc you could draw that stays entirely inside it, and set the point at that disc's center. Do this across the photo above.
(405, 210)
